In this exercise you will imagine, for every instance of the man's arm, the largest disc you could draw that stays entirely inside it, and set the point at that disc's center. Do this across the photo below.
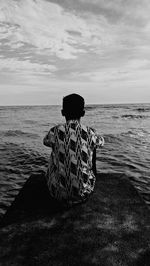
(99, 141)
(94, 162)
(47, 140)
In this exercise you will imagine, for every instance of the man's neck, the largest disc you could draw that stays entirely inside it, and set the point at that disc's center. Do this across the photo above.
(74, 119)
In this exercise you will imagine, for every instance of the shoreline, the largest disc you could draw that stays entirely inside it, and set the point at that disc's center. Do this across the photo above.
(111, 228)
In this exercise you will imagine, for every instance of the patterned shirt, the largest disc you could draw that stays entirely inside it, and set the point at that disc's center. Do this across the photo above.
(70, 176)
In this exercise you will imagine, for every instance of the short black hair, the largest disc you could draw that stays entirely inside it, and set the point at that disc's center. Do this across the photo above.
(73, 106)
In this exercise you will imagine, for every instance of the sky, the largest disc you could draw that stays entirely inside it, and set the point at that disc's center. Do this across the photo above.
(97, 48)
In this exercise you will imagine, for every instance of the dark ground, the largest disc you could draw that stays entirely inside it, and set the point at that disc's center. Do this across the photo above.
(111, 229)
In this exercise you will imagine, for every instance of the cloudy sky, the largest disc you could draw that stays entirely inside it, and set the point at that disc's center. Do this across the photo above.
(98, 48)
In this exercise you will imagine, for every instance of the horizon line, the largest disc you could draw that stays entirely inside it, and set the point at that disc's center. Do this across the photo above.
(113, 103)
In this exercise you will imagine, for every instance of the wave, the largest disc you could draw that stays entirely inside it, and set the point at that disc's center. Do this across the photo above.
(115, 117)
(19, 161)
(142, 109)
(19, 133)
(132, 116)
(89, 108)
(30, 122)
(136, 133)
(116, 106)
(16, 165)
(109, 138)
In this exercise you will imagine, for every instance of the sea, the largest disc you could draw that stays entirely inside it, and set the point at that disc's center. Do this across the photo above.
(125, 128)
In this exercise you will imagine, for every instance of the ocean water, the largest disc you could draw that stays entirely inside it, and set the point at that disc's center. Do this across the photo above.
(125, 127)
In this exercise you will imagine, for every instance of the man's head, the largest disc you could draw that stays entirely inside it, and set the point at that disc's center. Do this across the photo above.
(73, 106)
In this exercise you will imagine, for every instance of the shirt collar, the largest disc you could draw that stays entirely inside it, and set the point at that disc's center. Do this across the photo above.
(75, 121)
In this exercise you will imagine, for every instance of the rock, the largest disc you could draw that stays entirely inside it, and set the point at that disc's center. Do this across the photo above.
(111, 228)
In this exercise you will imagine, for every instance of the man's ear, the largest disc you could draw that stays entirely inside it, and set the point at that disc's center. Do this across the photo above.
(62, 112)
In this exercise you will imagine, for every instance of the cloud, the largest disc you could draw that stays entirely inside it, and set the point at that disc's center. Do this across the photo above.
(43, 25)
(59, 31)
(132, 71)
(70, 29)
(135, 11)
(102, 42)
(14, 65)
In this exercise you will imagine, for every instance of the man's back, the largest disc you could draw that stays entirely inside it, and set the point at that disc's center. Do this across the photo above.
(70, 175)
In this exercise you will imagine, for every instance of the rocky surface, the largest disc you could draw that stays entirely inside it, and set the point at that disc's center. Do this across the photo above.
(111, 229)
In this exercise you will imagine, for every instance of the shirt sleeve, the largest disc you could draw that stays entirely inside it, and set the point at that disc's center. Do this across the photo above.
(99, 141)
(49, 138)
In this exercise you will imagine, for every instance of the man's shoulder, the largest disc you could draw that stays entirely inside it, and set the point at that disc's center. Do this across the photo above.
(57, 126)
(73, 124)
(91, 130)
